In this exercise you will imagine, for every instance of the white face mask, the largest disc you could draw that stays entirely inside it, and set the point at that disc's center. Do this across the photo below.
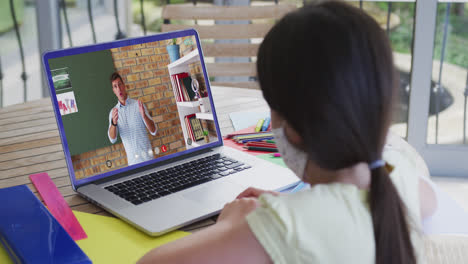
(294, 158)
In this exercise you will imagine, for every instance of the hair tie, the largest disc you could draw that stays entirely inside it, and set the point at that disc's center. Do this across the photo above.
(376, 164)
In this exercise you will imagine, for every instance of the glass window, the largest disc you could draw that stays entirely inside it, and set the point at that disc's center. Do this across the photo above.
(447, 110)
(397, 19)
(12, 86)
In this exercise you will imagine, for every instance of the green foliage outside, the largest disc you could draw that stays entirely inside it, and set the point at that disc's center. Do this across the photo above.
(401, 36)
(456, 51)
(6, 21)
(152, 10)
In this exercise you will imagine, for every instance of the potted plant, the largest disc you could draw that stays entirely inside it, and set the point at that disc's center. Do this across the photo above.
(207, 138)
(173, 50)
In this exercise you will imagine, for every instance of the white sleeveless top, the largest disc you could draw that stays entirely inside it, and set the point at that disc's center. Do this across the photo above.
(331, 223)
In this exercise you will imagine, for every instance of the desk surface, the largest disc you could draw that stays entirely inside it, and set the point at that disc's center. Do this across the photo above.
(30, 142)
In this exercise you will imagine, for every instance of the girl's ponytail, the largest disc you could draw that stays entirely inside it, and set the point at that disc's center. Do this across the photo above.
(392, 237)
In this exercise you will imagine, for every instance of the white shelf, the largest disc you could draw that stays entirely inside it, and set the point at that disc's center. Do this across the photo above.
(205, 116)
(187, 59)
(188, 104)
(206, 102)
(202, 142)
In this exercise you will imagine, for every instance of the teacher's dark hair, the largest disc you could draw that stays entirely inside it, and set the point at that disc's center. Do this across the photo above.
(328, 70)
(114, 76)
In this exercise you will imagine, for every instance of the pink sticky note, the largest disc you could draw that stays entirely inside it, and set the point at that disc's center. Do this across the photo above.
(57, 205)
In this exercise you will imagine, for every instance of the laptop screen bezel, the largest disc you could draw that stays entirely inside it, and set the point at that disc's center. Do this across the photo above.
(116, 44)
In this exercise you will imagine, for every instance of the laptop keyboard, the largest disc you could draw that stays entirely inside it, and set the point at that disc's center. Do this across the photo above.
(154, 185)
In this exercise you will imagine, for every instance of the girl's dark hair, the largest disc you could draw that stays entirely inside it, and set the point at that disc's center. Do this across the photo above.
(328, 70)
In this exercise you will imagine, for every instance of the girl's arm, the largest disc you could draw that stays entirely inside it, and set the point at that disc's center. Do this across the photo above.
(230, 240)
(427, 198)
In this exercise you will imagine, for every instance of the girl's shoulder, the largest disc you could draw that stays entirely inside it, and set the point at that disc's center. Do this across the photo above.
(405, 176)
(330, 201)
(312, 225)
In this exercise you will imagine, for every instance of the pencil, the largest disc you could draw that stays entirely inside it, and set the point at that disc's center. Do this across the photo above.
(262, 135)
(262, 149)
(244, 134)
(252, 140)
(260, 144)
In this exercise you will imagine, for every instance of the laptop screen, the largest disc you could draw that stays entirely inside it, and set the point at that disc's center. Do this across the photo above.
(131, 103)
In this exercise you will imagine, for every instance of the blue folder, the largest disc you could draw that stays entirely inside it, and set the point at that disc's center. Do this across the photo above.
(30, 233)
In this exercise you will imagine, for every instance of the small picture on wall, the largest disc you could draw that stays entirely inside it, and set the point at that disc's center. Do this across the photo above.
(67, 103)
(61, 79)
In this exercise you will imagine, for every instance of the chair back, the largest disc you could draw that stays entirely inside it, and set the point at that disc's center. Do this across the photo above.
(446, 249)
(261, 19)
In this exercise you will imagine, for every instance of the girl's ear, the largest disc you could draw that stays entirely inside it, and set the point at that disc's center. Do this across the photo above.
(292, 135)
(276, 119)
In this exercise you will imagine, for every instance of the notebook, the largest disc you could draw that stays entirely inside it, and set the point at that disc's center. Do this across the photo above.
(126, 143)
(29, 232)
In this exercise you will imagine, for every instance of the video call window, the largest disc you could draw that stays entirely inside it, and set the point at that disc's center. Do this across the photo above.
(132, 104)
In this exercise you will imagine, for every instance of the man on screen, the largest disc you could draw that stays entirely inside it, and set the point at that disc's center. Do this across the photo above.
(130, 118)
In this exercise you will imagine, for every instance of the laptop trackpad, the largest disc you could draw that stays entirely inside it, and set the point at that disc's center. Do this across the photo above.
(215, 194)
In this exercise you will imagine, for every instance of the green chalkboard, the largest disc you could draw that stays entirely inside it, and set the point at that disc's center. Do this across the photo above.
(86, 77)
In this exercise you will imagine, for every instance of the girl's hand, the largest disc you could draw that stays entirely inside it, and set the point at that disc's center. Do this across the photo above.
(252, 192)
(237, 210)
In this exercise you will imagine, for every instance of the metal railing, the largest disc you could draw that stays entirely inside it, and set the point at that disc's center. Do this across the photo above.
(91, 21)
(143, 24)
(120, 34)
(1, 84)
(21, 50)
(437, 90)
(63, 6)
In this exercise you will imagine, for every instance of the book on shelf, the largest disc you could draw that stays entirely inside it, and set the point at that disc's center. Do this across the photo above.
(186, 83)
(179, 88)
(174, 88)
(182, 87)
(194, 127)
(189, 129)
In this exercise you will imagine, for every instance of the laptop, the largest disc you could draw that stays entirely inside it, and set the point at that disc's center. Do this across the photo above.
(140, 133)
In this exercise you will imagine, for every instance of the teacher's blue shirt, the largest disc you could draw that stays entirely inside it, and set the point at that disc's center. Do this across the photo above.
(132, 129)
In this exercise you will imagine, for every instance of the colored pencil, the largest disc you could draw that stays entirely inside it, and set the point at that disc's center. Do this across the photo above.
(252, 140)
(256, 140)
(260, 144)
(258, 128)
(266, 124)
(260, 135)
(262, 149)
(243, 134)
